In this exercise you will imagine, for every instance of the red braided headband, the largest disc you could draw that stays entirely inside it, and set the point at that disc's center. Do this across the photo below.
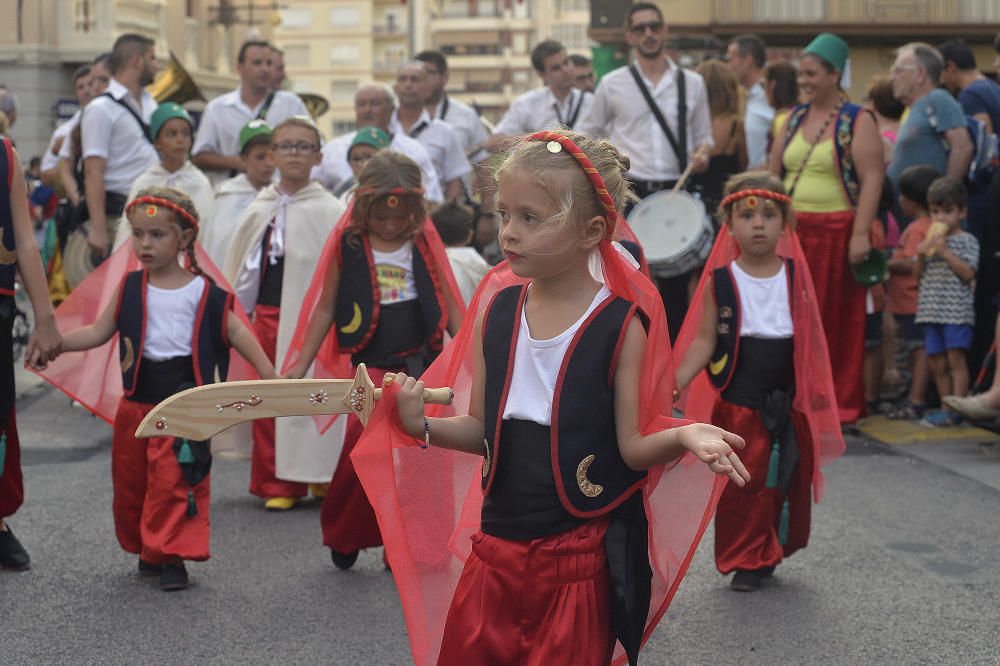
(763, 194)
(588, 168)
(166, 203)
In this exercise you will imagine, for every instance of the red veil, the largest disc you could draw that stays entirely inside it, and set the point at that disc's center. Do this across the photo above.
(329, 361)
(93, 378)
(428, 500)
(814, 393)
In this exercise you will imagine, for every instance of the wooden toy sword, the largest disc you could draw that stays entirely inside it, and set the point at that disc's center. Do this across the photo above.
(201, 412)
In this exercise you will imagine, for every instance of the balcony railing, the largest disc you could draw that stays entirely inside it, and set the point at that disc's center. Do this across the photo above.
(857, 11)
(88, 28)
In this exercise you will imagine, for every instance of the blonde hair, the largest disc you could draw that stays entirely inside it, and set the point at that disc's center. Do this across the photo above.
(563, 179)
(755, 180)
(185, 202)
(384, 172)
(299, 121)
(725, 96)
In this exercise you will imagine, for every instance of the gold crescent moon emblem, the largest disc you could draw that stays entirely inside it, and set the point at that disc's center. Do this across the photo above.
(129, 354)
(486, 458)
(718, 366)
(586, 487)
(7, 257)
(355, 323)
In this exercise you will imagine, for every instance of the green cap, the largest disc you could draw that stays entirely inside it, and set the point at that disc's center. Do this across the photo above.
(872, 270)
(165, 112)
(252, 130)
(371, 136)
(830, 48)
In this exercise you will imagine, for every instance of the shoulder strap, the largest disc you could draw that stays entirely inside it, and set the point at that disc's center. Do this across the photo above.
(575, 113)
(131, 111)
(682, 113)
(680, 152)
(262, 114)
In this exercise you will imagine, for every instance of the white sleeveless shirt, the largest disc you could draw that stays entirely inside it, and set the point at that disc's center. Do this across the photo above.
(170, 315)
(536, 368)
(764, 309)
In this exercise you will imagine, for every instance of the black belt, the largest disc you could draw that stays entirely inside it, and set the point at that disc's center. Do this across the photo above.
(651, 186)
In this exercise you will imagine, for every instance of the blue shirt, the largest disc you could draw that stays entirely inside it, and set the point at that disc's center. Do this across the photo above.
(920, 143)
(982, 96)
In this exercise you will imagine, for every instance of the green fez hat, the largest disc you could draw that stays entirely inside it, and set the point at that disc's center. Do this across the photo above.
(872, 270)
(830, 48)
(370, 136)
(165, 112)
(251, 131)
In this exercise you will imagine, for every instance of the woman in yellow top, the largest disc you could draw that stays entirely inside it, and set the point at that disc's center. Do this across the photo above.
(830, 156)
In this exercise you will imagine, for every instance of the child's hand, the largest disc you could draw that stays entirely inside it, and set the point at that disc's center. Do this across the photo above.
(410, 404)
(714, 447)
(931, 245)
(44, 345)
(295, 372)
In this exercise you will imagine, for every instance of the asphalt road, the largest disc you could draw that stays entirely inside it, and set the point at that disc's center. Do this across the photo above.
(901, 569)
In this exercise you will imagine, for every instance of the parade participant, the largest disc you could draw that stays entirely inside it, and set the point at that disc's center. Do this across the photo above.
(556, 104)
(830, 157)
(569, 379)
(217, 146)
(8, 107)
(660, 134)
(462, 118)
(171, 129)
(114, 134)
(50, 158)
(728, 156)
(374, 104)
(277, 68)
(947, 262)
(384, 283)
(234, 196)
(71, 152)
(782, 88)
(453, 222)
(583, 72)
(367, 141)
(174, 330)
(435, 135)
(757, 334)
(747, 57)
(272, 257)
(18, 254)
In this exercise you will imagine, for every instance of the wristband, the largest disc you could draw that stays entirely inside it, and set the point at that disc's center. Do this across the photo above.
(427, 434)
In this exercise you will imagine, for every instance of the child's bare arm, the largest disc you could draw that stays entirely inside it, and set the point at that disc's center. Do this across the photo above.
(244, 341)
(964, 271)
(455, 316)
(700, 352)
(903, 265)
(713, 446)
(319, 323)
(95, 335)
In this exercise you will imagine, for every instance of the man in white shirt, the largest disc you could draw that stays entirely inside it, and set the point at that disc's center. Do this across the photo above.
(436, 136)
(114, 131)
(70, 162)
(50, 158)
(216, 150)
(462, 118)
(621, 113)
(555, 104)
(747, 57)
(373, 106)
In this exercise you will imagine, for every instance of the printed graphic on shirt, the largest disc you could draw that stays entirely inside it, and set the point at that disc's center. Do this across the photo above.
(391, 283)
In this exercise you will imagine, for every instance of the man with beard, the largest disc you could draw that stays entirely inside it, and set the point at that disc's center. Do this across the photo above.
(114, 130)
(216, 149)
(624, 111)
(436, 136)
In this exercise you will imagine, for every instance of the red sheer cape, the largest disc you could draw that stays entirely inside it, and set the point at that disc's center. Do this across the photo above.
(814, 392)
(329, 361)
(428, 501)
(93, 378)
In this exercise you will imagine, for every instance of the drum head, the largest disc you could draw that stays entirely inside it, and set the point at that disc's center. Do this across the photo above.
(668, 225)
(78, 258)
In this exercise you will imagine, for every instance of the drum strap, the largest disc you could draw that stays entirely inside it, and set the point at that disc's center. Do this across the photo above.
(680, 147)
(131, 111)
(573, 113)
(262, 114)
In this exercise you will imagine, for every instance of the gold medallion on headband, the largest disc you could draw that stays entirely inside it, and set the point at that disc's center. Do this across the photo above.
(553, 147)
(151, 211)
(392, 201)
(752, 202)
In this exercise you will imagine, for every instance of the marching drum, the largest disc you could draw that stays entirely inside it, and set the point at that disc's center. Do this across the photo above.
(78, 257)
(675, 232)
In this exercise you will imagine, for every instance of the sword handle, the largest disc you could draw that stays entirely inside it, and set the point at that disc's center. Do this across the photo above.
(434, 396)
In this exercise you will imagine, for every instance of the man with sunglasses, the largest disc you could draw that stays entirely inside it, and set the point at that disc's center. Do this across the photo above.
(657, 114)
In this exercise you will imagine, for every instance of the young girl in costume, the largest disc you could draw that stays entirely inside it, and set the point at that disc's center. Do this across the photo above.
(18, 255)
(387, 287)
(553, 454)
(174, 331)
(272, 258)
(758, 336)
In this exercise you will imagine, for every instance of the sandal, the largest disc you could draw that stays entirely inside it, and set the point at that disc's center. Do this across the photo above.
(942, 418)
(907, 410)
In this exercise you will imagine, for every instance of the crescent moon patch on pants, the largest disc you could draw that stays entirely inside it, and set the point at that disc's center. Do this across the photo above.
(586, 487)
(7, 257)
(720, 365)
(355, 323)
(129, 357)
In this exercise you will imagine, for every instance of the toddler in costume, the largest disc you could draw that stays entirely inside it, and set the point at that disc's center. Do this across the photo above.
(756, 333)
(385, 295)
(175, 329)
(570, 508)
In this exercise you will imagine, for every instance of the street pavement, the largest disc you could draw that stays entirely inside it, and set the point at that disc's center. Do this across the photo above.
(900, 570)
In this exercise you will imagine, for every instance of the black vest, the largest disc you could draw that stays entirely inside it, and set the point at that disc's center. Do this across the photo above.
(727, 345)
(209, 342)
(8, 248)
(356, 314)
(590, 476)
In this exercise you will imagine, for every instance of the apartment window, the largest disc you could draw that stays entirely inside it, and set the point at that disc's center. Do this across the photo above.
(342, 92)
(296, 55)
(345, 17)
(572, 36)
(345, 54)
(341, 127)
(296, 19)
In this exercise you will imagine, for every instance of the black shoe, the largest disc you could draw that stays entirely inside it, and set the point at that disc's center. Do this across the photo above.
(745, 581)
(173, 577)
(344, 560)
(766, 572)
(12, 554)
(149, 569)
